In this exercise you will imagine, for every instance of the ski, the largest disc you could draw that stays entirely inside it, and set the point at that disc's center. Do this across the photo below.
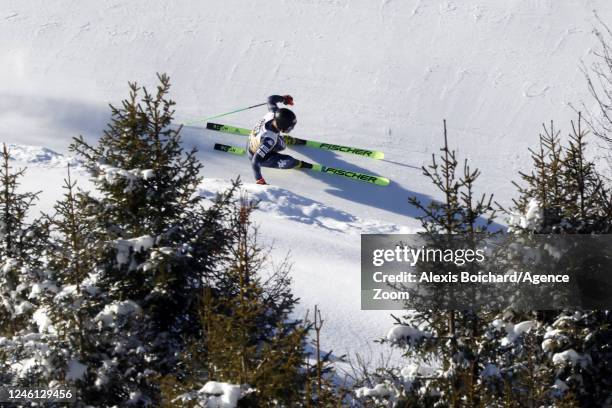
(229, 149)
(353, 175)
(368, 178)
(290, 140)
(227, 129)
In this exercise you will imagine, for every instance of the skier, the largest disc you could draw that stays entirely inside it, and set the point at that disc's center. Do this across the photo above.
(265, 141)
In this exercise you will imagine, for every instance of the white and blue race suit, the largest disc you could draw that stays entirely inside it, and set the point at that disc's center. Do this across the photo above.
(265, 143)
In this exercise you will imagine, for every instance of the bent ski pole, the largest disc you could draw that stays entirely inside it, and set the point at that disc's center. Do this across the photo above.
(193, 122)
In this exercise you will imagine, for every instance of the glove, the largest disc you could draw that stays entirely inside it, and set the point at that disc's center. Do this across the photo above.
(261, 181)
(288, 100)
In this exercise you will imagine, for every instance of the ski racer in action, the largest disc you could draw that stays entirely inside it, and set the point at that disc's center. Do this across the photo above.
(266, 141)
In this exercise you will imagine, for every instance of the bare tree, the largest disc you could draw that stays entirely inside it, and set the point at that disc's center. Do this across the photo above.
(599, 82)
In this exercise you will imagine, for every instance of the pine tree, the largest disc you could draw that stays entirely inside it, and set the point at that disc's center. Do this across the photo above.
(20, 245)
(248, 338)
(565, 193)
(321, 388)
(453, 338)
(73, 260)
(162, 245)
(588, 202)
(545, 181)
(16, 233)
(147, 179)
(22, 278)
(74, 247)
(581, 205)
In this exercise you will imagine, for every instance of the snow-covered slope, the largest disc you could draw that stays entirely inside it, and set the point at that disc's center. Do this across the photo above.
(377, 74)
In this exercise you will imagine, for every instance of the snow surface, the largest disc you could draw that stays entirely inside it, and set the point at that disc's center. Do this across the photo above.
(374, 74)
(40, 156)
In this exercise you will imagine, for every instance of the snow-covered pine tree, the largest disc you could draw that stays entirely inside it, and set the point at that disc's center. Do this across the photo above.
(164, 245)
(76, 342)
(565, 192)
(588, 203)
(16, 232)
(248, 340)
(20, 245)
(575, 344)
(544, 181)
(451, 340)
(22, 351)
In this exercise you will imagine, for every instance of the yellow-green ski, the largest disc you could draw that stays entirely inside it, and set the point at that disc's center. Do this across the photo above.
(290, 140)
(229, 149)
(353, 175)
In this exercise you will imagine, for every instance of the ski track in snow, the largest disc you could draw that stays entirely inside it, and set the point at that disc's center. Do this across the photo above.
(283, 203)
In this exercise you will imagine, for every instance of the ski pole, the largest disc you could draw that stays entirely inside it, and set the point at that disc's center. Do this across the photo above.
(224, 114)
